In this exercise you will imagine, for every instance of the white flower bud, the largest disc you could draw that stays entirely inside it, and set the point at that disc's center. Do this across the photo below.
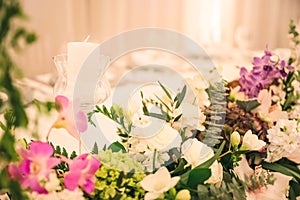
(183, 195)
(235, 138)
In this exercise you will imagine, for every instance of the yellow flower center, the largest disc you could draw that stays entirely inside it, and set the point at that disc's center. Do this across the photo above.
(35, 168)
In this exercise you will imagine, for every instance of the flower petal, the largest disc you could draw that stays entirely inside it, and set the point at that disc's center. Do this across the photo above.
(89, 187)
(81, 121)
(152, 196)
(34, 185)
(43, 149)
(147, 182)
(52, 162)
(94, 165)
(71, 180)
(174, 181)
(243, 170)
(62, 102)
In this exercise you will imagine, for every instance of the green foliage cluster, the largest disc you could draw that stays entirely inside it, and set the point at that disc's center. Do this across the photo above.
(12, 38)
(118, 177)
(166, 111)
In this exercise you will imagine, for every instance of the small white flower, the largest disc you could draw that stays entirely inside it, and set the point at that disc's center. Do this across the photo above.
(192, 117)
(251, 142)
(53, 184)
(267, 111)
(196, 153)
(284, 140)
(199, 85)
(166, 138)
(160, 159)
(216, 174)
(236, 94)
(158, 183)
(77, 194)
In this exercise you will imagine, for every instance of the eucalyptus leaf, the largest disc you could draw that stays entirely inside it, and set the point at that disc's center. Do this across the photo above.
(179, 98)
(165, 90)
(248, 105)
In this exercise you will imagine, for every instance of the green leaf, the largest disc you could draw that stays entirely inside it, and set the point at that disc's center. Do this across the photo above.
(282, 169)
(57, 149)
(198, 176)
(294, 189)
(2, 126)
(165, 90)
(6, 147)
(95, 149)
(179, 98)
(180, 167)
(163, 103)
(159, 116)
(177, 118)
(116, 147)
(73, 155)
(209, 162)
(65, 153)
(206, 164)
(202, 192)
(248, 105)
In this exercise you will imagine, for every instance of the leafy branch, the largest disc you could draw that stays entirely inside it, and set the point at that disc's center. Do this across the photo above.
(11, 36)
(116, 114)
(168, 109)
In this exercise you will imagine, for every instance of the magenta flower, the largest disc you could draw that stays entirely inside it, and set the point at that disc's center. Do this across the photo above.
(35, 166)
(68, 119)
(82, 173)
(264, 72)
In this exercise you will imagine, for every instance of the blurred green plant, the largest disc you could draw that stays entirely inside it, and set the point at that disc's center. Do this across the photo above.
(118, 177)
(13, 38)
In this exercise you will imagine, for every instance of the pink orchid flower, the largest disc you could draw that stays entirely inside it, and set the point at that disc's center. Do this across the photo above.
(276, 191)
(35, 166)
(82, 173)
(66, 118)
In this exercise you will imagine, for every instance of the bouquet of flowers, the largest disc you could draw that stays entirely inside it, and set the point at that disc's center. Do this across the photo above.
(235, 140)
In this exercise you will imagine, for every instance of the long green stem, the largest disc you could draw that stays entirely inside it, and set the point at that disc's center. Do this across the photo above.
(153, 162)
(224, 154)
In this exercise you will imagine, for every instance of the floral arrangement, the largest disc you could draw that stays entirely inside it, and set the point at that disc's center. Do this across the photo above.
(235, 140)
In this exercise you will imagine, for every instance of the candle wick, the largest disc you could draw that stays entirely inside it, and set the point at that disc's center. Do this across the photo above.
(86, 39)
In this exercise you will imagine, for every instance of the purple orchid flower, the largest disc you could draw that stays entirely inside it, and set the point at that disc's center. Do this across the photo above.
(263, 73)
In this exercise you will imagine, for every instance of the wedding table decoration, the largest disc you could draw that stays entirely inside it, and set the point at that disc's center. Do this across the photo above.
(231, 140)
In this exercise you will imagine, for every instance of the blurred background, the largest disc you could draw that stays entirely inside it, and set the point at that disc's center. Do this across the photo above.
(219, 25)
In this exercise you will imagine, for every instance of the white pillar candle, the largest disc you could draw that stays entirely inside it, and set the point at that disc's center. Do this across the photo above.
(77, 53)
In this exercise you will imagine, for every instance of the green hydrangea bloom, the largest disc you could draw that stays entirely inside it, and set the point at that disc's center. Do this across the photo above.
(118, 177)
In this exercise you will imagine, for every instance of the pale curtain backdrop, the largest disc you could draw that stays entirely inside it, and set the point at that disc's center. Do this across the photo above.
(247, 25)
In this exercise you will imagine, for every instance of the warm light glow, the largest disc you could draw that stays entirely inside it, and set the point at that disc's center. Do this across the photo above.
(216, 24)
